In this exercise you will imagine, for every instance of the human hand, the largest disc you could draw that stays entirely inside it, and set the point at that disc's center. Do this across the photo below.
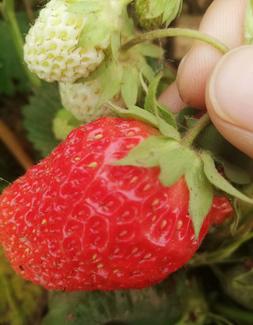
(224, 85)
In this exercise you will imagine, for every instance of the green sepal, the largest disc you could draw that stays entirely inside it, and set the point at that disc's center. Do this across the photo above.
(63, 123)
(201, 193)
(219, 181)
(146, 70)
(135, 112)
(110, 80)
(152, 105)
(150, 100)
(172, 10)
(84, 7)
(105, 14)
(164, 10)
(115, 44)
(248, 26)
(166, 129)
(91, 35)
(130, 86)
(167, 115)
(146, 154)
(174, 161)
(151, 50)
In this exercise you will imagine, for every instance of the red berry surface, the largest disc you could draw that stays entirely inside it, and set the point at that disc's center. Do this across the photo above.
(75, 221)
(222, 210)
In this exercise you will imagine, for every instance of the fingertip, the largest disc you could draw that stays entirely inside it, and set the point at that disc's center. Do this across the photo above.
(171, 99)
(229, 98)
(223, 20)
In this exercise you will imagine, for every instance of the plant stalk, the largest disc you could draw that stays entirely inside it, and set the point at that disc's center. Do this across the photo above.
(176, 32)
(8, 10)
(234, 313)
(192, 134)
(12, 143)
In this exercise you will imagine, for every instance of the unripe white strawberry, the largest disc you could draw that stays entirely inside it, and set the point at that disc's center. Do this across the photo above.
(155, 14)
(82, 100)
(64, 45)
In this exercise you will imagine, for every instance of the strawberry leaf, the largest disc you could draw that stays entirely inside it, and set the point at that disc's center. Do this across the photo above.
(219, 181)
(130, 86)
(201, 194)
(38, 118)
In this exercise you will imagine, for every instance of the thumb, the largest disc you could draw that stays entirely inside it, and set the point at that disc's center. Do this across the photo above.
(229, 98)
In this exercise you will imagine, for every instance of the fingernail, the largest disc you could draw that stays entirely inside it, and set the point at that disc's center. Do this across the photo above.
(230, 88)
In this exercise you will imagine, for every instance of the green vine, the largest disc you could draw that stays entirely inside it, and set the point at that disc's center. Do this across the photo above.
(8, 11)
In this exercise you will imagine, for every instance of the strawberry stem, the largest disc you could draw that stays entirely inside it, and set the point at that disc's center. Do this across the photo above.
(9, 15)
(194, 132)
(176, 32)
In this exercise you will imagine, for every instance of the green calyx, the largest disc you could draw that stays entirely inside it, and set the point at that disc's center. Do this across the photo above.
(103, 19)
(127, 71)
(155, 14)
(63, 123)
(176, 157)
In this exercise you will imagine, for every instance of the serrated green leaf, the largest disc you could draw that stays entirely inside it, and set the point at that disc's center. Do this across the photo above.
(38, 118)
(248, 26)
(201, 194)
(146, 154)
(131, 307)
(219, 181)
(130, 86)
(174, 161)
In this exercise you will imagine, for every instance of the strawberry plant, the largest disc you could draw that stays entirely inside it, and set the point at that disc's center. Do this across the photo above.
(127, 212)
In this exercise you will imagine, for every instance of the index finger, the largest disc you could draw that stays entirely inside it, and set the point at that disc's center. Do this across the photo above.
(224, 20)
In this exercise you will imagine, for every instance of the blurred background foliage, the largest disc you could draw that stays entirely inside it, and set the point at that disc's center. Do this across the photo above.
(217, 285)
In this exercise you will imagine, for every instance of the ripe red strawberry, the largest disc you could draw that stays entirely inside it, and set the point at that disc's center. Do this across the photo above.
(77, 222)
(222, 210)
